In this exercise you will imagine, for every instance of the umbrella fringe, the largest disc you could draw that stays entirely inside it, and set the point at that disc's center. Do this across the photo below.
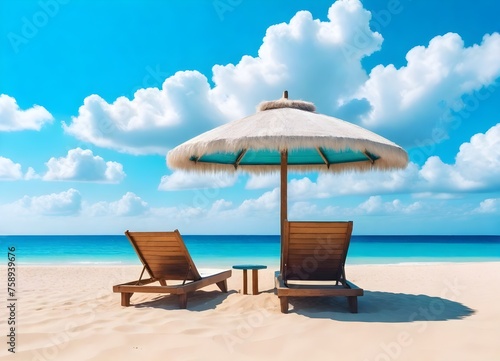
(390, 162)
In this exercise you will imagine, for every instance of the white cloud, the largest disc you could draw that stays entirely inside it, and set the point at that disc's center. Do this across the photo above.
(129, 205)
(479, 159)
(82, 165)
(179, 214)
(9, 170)
(375, 205)
(12, 118)
(444, 177)
(56, 204)
(490, 205)
(303, 210)
(267, 202)
(158, 119)
(334, 49)
(415, 103)
(190, 180)
(476, 168)
(13, 171)
(220, 205)
(152, 122)
(372, 204)
(31, 174)
(259, 181)
(303, 188)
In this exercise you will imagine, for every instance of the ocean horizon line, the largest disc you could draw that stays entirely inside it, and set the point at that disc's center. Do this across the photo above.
(211, 264)
(244, 249)
(240, 235)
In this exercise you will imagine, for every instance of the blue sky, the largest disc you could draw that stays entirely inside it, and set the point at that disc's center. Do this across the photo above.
(94, 94)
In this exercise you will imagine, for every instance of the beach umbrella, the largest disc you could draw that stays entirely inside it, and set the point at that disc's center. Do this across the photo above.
(287, 135)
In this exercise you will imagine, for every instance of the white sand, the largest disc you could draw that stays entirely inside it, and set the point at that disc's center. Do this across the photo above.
(408, 312)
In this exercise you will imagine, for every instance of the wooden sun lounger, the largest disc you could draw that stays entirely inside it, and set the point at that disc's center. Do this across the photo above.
(166, 258)
(312, 262)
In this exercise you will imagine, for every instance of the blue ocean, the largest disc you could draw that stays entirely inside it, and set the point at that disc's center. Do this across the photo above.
(218, 251)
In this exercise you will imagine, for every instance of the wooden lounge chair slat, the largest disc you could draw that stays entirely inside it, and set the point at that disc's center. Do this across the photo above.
(158, 243)
(315, 252)
(172, 267)
(166, 259)
(318, 224)
(317, 248)
(318, 231)
(158, 237)
(321, 235)
(301, 227)
(333, 263)
(172, 258)
(147, 235)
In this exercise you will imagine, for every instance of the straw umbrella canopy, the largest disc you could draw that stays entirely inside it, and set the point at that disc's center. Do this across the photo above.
(287, 135)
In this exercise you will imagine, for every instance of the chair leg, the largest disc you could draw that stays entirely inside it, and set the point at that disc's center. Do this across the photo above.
(353, 304)
(222, 285)
(284, 304)
(183, 300)
(126, 299)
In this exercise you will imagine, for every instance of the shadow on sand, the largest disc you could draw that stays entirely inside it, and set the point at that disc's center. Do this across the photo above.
(197, 301)
(374, 306)
(377, 306)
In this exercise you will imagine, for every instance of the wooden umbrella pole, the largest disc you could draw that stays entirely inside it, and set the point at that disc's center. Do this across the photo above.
(283, 197)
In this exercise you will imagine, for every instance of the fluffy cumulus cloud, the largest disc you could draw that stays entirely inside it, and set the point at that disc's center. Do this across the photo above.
(221, 205)
(267, 202)
(259, 181)
(12, 118)
(83, 165)
(31, 174)
(65, 203)
(302, 210)
(490, 205)
(320, 61)
(13, 171)
(128, 205)
(9, 170)
(419, 102)
(153, 121)
(179, 180)
(186, 105)
(375, 205)
(476, 167)
(301, 56)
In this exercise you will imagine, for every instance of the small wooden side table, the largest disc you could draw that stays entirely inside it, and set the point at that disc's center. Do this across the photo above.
(255, 276)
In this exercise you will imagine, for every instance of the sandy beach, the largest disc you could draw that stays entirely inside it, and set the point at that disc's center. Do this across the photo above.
(409, 312)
